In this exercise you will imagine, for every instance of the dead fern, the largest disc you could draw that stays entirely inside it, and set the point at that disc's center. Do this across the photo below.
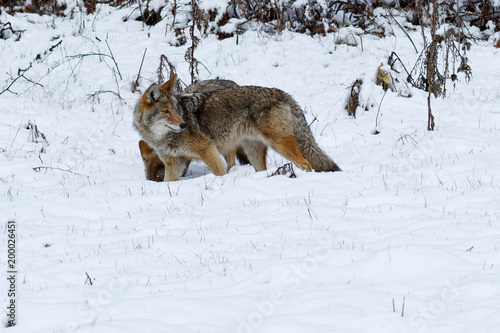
(167, 67)
(196, 23)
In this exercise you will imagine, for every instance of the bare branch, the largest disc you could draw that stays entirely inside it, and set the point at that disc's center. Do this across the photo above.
(135, 84)
(39, 168)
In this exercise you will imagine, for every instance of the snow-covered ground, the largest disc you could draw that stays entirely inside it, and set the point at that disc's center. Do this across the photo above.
(405, 239)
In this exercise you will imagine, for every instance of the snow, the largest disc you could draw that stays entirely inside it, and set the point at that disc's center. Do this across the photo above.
(403, 240)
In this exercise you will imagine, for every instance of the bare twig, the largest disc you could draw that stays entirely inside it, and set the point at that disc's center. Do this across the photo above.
(392, 60)
(88, 280)
(196, 14)
(310, 211)
(400, 26)
(312, 122)
(135, 84)
(51, 49)
(378, 112)
(113, 58)
(431, 67)
(99, 54)
(12, 143)
(39, 168)
(11, 84)
(8, 27)
(95, 94)
(20, 73)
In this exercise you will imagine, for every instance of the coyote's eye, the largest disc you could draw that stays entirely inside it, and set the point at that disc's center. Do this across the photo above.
(166, 111)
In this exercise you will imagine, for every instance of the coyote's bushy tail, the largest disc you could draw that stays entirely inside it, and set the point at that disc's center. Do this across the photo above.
(310, 149)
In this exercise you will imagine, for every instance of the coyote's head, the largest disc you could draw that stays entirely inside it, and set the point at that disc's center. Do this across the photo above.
(155, 169)
(158, 110)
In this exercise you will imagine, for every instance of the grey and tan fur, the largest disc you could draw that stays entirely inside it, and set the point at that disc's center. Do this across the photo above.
(154, 167)
(250, 117)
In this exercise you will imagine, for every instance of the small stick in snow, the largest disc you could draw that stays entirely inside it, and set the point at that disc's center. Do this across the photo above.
(310, 211)
(20, 73)
(135, 84)
(88, 280)
(112, 56)
(97, 93)
(378, 112)
(39, 168)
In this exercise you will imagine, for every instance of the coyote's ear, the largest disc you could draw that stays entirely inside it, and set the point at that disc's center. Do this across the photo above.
(154, 93)
(145, 149)
(169, 86)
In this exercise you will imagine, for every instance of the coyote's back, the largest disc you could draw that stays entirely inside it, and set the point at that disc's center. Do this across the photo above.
(265, 114)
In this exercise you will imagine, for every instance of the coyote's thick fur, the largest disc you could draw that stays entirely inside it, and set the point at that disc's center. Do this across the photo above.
(155, 169)
(202, 126)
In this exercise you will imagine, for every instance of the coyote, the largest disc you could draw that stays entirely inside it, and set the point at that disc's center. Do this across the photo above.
(202, 126)
(155, 169)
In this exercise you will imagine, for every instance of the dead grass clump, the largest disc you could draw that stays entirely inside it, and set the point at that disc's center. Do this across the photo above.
(353, 100)
(41, 7)
(34, 133)
(167, 70)
(285, 170)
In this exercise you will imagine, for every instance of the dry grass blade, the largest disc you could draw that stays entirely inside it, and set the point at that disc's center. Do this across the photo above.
(135, 84)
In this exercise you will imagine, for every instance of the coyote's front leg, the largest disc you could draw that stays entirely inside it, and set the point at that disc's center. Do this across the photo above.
(209, 154)
(174, 167)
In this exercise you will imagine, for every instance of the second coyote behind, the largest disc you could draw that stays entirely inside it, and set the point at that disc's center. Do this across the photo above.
(246, 116)
(155, 169)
